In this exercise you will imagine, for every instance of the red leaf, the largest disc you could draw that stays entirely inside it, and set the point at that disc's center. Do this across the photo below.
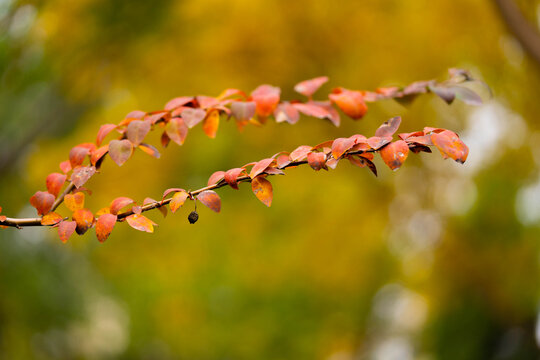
(171, 190)
(211, 123)
(361, 161)
(350, 102)
(104, 225)
(84, 219)
(231, 176)
(317, 160)
(450, 145)
(42, 201)
(150, 150)
(137, 131)
(262, 189)
(104, 130)
(81, 175)
(266, 98)
(404, 136)
(66, 229)
(259, 167)
(319, 109)
(243, 111)
(210, 199)
(300, 152)
(309, 87)
(156, 116)
(77, 155)
(395, 154)
(286, 112)
(51, 218)
(340, 146)
(141, 223)
(98, 154)
(283, 160)
(216, 177)
(119, 203)
(54, 182)
(165, 139)
(135, 115)
(422, 140)
(206, 102)
(193, 116)
(75, 201)
(376, 142)
(388, 128)
(120, 151)
(178, 200)
(65, 166)
(177, 102)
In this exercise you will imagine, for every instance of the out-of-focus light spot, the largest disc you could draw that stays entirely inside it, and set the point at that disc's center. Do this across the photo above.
(528, 204)
(395, 348)
(512, 50)
(5, 6)
(459, 195)
(537, 329)
(424, 228)
(22, 21)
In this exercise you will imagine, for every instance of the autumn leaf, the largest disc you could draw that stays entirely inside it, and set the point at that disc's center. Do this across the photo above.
(260, 166)
(377, 142)
(450, 145)
(66, 229)
(77, 155)
(84, 220)
(340, 146)
(262, 189)
(350, 102)
(120, 202)
(178, 200)
(54, 183)
(75, 201)
(192, 116)
(177, 102)
(300, 152)
(211, 123)
(97, 155)
(317, 160)
(309, 87)
(171, 190)
(81, 175)
(395, 154)
(231, 176)
(137, 130)
(104, 226)
(215, 177)
(243, 111)
(141, 223)
(388, 128)
(177, 130)
(319, 109)
(210, 199)
(266, 98)
(150, 150)
(51, 218)
(286, 112)
(120, 151)
(42, 201)
(65, 166)
(104, 130)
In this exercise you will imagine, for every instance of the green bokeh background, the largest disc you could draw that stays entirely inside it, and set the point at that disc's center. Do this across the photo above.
(435, 261)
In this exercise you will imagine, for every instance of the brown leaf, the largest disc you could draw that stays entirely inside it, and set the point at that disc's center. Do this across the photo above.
(120, 151)
(178, 200)
(210, 199)
(84, 219)
(141, 223)
(51, 218)
(262, 189)
(104, 130)
(309, 87)
(376, 142)
(350, 102)
(361, 161)
(211, 123)
(266, 98)
(104, 226)
(450, 145)
(388, 128)
(283, 160)
(150, 150)
(75, 201)
(317, 160)
(66, 229)
(395, 154)
(137, 131)
(54, 182)
(340, 146)
(81, 175)
(118, 203)
(260, 166)
(231, 176)
(42, 201)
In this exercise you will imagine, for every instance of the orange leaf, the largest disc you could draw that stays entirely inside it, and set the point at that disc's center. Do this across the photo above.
(259, 167)
(317, 160)
(178, 200)
(243, 111)
(168, 191)
(388, 128)
(362, 161)
(42, 201)
(450, 145)
(66, 229)
(286, 112)
(319, 109)
(75, 201)
(177, 102)
(104, 225)
(192, 116)
(65, 166)
(266, 98)
(309, 87)
(137, 130)
(84, 219)
(177, 130)
(340, 146)
(120, 151)
(98, 154)
(77, 155)
(210, 199)
(51, 219)
(141, 223)
(211, 123)
(231, 176)
(376, 142)
(150, 150)
(215, 177)
(119, 203)
(350, 102)
(156, 116)
(262, 189)
(54, 182)
(300, 152)
(395, 154)
(81, 175)
(104, 130)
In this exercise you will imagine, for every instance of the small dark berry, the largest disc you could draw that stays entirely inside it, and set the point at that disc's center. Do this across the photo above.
(193, 217)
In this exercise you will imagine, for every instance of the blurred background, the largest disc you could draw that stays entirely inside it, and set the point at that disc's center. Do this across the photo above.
(435, 261)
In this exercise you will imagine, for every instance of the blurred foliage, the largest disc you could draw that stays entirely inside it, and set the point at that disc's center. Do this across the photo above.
(435, 261)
